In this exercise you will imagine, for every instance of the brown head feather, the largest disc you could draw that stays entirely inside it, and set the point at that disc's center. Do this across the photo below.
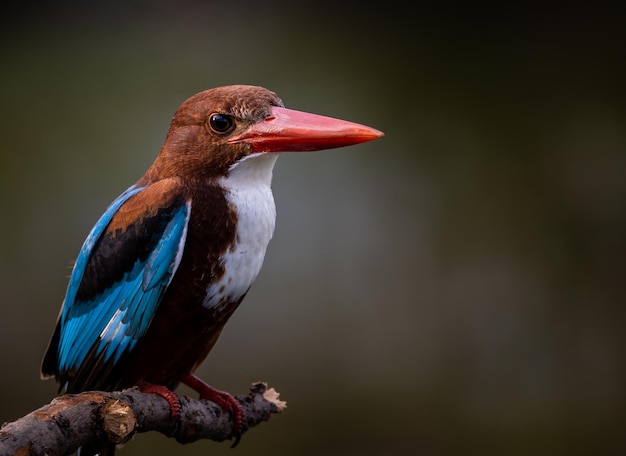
(193, 150)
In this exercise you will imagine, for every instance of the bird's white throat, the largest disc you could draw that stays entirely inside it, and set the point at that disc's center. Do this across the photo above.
(248, 189)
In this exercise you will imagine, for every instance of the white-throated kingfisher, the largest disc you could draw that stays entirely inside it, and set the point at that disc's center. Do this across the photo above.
(174, 255)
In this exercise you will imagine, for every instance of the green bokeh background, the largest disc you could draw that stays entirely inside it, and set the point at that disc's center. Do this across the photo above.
(455, 287)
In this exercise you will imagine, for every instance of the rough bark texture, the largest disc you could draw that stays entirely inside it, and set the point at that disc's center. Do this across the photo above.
(72, 421)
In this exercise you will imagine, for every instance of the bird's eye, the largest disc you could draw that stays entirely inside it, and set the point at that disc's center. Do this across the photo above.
(221, 123)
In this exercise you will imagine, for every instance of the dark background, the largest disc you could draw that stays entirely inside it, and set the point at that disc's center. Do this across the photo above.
(455, 287)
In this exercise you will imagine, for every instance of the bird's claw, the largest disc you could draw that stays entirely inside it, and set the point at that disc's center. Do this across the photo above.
(237, 417)
(160, 390)
(237, 437)
(235, 411)
(225, 400)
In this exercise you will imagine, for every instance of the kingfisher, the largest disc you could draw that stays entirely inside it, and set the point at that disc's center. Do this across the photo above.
(174, 255)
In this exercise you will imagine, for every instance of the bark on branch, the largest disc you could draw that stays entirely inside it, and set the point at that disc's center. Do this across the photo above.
(72, 421)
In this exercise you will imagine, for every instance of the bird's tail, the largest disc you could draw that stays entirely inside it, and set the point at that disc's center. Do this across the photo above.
(99, 449)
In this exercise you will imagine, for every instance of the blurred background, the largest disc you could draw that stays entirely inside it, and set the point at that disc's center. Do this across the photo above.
(454, 287)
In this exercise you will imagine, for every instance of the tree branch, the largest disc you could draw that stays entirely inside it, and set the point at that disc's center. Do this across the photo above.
(76, 420)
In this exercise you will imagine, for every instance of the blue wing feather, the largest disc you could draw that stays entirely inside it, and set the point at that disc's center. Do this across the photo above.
(73, 325)
(88, 245)
(109, 324)
(160, 262)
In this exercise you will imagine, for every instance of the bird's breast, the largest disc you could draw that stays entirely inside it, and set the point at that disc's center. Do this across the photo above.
(249, 195)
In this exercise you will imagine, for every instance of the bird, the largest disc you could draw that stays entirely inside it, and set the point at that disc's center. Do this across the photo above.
(174, 255)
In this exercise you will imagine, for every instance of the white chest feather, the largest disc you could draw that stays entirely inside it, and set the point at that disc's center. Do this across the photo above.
(248, 187)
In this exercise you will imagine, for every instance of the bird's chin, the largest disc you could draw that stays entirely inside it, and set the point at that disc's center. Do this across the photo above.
(254, 168)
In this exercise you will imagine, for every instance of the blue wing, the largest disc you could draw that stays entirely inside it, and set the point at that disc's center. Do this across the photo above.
(117, 283)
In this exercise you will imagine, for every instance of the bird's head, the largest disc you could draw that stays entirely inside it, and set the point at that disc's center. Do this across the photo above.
(214, 130)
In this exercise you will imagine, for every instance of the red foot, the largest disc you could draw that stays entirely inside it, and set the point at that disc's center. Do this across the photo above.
(221, 398)
(165, 393)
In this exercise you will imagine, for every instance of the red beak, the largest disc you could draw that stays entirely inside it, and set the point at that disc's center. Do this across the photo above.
(289, 130)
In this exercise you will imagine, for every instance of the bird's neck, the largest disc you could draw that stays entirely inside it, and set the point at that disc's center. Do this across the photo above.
(248, 192)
